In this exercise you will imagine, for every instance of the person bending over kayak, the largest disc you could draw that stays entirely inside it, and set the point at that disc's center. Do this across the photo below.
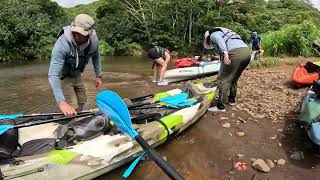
(161, 58)
(235, 56)
(75, 45)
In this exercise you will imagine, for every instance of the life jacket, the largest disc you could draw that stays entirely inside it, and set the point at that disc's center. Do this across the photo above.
(184, 62)
(72, 67)
(162, 52)
(227, 33)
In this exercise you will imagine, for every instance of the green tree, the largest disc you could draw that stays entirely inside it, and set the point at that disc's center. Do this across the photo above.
(27, 26)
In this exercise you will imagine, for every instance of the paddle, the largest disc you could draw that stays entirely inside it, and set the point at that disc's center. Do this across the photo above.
(15, 116)
(112, 105)
(6, 127)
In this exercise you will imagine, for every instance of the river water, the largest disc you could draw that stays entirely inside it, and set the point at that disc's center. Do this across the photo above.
(25, 89)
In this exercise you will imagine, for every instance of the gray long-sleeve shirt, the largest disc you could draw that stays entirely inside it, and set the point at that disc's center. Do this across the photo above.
(61, 50)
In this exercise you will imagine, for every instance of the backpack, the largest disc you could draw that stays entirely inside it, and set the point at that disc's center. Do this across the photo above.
(87, 128)
(36, 146)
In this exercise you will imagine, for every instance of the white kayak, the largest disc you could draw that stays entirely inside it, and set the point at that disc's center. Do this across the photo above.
(181, 74)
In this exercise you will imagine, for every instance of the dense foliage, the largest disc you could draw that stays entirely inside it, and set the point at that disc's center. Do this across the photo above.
(293, 40)
(28, 28)
(179, 25)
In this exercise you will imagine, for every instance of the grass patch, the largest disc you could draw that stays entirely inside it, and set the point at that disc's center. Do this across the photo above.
(267, 62)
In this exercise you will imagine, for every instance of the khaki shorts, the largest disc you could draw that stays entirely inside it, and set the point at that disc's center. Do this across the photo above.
(72, 85)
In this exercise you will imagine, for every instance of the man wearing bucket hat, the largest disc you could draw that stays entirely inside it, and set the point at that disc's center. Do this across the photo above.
(235, 57)
(75, 46)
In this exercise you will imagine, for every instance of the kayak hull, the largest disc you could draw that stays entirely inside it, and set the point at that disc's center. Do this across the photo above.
(309, 116)
(182, 74)
(300, 76)
(102, 154)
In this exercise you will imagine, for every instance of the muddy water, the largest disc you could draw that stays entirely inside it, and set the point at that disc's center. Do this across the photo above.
(25, 89)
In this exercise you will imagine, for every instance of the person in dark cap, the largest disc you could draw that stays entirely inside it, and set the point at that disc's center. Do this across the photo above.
(75, 46)
(161, 58)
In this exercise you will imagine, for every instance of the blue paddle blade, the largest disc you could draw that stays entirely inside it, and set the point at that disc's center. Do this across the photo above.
(129, 170)
(176, 99)
(5, 128)
(10, 116)
(111, 104)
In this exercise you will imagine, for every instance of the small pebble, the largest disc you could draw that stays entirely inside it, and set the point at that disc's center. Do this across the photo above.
(240, 134)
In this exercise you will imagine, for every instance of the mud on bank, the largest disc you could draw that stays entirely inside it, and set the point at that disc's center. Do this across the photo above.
(263, 124)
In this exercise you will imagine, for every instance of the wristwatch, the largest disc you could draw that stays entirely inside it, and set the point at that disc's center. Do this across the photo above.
(100, 76)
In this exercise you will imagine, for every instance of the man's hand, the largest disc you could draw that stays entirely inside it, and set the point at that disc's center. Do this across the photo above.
(226, 59)
(98, 82)
(67, 109)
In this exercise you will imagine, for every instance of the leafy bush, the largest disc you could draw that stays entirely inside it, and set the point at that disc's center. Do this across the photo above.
(134, 49)
(291, 40)
(105, 49)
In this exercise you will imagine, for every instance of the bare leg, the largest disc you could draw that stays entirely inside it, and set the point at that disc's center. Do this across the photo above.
(162, 69)
(155, 71)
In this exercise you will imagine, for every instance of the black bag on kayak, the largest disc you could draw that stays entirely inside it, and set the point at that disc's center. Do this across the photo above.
(8, 141)
(311, 67)
(87, 128)
(316, 88)
(36, 146)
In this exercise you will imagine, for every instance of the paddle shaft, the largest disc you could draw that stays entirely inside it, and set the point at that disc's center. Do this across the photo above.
(158, 159)
(34, 115)
(33, 123)
(51, 114)
(142, 98)
(138, 105)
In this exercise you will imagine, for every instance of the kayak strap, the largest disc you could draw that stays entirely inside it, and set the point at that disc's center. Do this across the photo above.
(166, 127)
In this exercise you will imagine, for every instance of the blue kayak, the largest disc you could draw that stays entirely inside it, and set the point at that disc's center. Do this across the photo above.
(310, 114)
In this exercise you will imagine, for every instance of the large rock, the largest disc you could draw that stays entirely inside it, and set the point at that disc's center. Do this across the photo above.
(260, 165)
(270, 163)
